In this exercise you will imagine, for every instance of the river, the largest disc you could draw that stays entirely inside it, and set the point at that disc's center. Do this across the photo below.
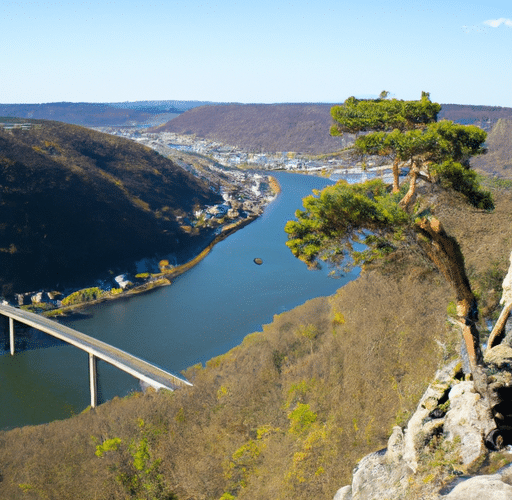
(204, 313)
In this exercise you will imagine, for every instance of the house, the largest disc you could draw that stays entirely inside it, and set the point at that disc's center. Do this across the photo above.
(122, 281)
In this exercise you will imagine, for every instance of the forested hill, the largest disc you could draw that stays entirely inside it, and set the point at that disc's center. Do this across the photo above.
(498, 160)
(293, 127)
(482, 116)
(288, 413)
(257, 127)
(121, 114)
(75, 202)
(261, 127)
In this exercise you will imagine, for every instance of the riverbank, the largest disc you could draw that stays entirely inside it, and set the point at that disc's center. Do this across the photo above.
(207, 310)
(154, 280)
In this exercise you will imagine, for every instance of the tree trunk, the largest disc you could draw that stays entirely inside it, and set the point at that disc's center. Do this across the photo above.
(404, 202)
(396, 176)
(444, 252)
(498, 331)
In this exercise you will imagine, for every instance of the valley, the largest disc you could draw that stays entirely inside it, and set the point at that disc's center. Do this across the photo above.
(289, 410)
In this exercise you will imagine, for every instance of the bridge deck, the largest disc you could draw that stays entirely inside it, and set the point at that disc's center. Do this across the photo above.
(152, 375)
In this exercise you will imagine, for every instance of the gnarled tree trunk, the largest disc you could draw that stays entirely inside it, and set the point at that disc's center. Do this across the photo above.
(498, 331)
(444, 252)
(396, 176)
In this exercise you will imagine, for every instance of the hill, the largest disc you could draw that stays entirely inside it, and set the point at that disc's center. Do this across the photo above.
(75, 202)
(260, 127)
(292, 127)
(288, 413)
(254, 127)
(121, 114)
(498, 160)
(483, 116)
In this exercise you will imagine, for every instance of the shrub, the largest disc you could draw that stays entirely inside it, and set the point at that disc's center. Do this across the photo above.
(84, 295)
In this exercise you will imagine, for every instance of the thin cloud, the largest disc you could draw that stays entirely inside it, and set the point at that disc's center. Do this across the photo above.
(496, 23)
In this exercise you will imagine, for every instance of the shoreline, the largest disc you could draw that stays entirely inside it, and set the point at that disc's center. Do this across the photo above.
(164, 278)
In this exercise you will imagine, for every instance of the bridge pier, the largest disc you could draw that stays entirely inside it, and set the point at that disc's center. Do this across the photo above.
(96, 349)
(93, 379)
(11, 335)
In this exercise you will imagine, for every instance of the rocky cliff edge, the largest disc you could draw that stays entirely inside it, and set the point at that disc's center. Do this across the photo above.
(441, 454)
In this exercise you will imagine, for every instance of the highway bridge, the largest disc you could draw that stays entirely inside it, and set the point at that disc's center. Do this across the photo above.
(138, 368)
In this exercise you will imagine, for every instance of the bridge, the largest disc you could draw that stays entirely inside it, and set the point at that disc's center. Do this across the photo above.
(138, 368)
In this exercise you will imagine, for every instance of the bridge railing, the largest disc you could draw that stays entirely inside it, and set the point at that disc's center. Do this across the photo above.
(137, 367)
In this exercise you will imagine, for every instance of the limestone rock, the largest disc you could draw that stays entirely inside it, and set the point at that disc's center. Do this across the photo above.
(468, 419)
(344, 493)
(374, 478)
(506, 298)
(395, 445)
(480, 488)
(499, 356)
(414, 433)
(389, 473)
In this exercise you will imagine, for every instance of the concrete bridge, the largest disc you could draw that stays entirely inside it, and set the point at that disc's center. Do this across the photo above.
(138, 368)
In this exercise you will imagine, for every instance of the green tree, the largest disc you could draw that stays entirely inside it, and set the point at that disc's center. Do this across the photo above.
(386, 218)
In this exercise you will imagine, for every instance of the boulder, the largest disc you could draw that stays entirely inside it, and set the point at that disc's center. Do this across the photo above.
(470, 420)
(391, 472)
(344, 493)
(506, 297)
(480, 488)
(499, 357)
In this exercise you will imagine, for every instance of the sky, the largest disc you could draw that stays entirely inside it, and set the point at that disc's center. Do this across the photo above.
(263, 51)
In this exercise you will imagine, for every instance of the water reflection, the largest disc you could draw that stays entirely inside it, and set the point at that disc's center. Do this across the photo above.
(26, 338)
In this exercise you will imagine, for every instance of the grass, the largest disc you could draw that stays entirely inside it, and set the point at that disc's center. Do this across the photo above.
(292, 419)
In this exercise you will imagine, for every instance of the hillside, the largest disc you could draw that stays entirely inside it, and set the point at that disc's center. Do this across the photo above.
(255, 127)
(482, 116)
(498, 160)
(75, 203)
(289, 412)
(260, 127)
(122, 114)
(292, 127)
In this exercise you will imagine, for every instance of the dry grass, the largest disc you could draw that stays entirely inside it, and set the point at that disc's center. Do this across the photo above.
(284, 415)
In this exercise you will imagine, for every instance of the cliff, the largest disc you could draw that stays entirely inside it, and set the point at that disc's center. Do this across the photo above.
(456, 445)
(444, 452)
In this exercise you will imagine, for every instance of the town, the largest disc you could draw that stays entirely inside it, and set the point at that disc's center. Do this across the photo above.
(233, 157)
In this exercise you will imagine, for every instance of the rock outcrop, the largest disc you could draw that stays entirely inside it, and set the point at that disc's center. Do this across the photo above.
(439, 453)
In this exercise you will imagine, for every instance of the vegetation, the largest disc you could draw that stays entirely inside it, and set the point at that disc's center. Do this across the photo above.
(292, 422)
(260, 127)
(84, 295)
(76, 203)
(498, 160)
(88, 114)
(485, 117)
(390, 218)
(289, 412)
(293, 127)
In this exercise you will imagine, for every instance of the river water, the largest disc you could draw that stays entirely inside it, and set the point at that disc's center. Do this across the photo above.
(204, 313)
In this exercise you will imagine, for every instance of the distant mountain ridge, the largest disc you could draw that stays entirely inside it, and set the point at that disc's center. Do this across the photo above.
(260, 127)
(102, 114)
(498, 160)
(299, 127)
(75, 203)
(293, 127)
(483, 116)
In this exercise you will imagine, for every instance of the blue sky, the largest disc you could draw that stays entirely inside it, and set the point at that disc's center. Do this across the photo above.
(258, 51)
